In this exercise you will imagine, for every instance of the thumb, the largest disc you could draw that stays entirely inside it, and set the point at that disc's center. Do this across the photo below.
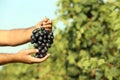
(31, 51)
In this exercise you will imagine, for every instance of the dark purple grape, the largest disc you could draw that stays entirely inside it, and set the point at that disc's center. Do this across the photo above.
(47, 32)
(45, 37)
(43, 51)
(36, 55)
(41, 55)
(37, 35)
(42, 28)
(43, 44)
(35, 40)
(40, 48)
(51, 33)
(40, 38)
(46, 49)
(36, 45)
(39, 42)
(32, 37)
(41, 34)
(44, 54)
(48, 45)
(51, 37)
(35, 31)
(44, 32)
(44, 41)
(32, 41)
(50, 41)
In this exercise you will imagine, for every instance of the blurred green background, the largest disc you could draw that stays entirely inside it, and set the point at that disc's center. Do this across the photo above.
(88, 48)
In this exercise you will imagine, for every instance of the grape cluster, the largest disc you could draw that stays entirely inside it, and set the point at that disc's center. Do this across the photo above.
(42, 40)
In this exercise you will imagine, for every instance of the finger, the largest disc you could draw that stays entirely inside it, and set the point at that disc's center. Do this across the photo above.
(45, 19)
(31, 51)
(49, 30)
(45, 23)
(47, 26)
(37, 60)
(39, 24)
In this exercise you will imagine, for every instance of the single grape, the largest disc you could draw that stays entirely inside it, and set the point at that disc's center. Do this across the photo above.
(35, 31)
(37, 35)
(36, 45)
(43, 44)
(39, 42)
(36, 55)
(41, 34)
(51, 33)
(48, 45)
(51, 37)
(44, 32)
(40, 38)
(42, 28)
(40, 48)
(41, 55)
(47, 32)
(43, 51)
(46, 49)
(45, 37)
(44, 41)
(44, 54)
(50, 41)
(32, 41)
(32, 37)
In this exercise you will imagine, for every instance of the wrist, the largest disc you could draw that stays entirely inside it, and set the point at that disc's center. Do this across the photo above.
(17, 57)
(14, 58)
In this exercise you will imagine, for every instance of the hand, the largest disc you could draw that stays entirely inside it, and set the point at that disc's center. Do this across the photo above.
(25, 57)
(47, 23)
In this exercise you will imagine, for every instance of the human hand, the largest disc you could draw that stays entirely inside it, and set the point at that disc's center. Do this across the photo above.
(25, 57)
(46, 23)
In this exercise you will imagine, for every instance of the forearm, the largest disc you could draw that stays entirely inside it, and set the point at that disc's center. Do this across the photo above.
(19, 36)
(7, 58)
(24, 56)
(15, 37)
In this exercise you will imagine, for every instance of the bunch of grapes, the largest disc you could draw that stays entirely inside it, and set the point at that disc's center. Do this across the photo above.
(42, 40)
